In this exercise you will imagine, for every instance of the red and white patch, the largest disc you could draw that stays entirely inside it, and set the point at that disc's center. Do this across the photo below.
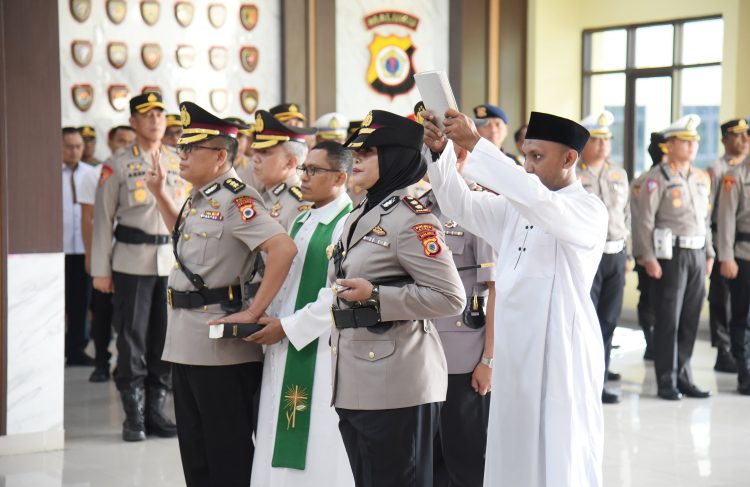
(245, 205)
(652, 185)
(105, 174)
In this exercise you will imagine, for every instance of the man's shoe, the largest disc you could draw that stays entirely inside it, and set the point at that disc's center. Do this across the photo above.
(744, 389)
(610, 398)
(725, 362)
(80, 359)
(100, 374)
(670, 394)
(690, 390)
(133, 428)
(613, 376)
(157, 422)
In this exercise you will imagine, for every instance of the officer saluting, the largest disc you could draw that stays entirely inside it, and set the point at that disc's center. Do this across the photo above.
(598, 175)
(216, 237)
(676, 250)
(136, 266)
(389, 368)
(279, 149)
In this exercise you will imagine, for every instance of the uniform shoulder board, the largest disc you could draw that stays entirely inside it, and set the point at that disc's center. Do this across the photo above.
(296, 192)
(234, 185)
(387, 203)
(480, 188)
(415, 206)
(212, 189)
(278, 189)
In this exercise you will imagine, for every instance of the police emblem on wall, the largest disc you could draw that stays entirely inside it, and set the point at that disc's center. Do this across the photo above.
(183, 12)
(217, 14)
(116, 10)
(151, 89)
(249, 58)
(82, 51)
(185, 56)
(217, 56)
(117, 53)
(391, 71)
(83, 96)
(249, 99)
(249, 16)
(119, 96)
(185, 94)
(80, 9)
(219, 99)
(151, 55)
(150, 10)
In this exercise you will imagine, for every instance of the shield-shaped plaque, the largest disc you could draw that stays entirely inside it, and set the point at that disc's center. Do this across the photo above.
(150, 10)
(183, 12)
(185, 94)
(116, 10)
(217, 56)
(151, 55)
(82, 51)
(249, 58)
(117, 53)
(219, 99)
(119, 97)
(185, 56)
(249, 99)
(150, 89)
(83, 96)
(80, 9)
(217, 14)
(249, 16)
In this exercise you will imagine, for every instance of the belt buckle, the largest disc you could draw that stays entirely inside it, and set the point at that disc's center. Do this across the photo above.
(169, 297)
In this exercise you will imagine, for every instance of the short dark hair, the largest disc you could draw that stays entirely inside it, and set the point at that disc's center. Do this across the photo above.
(113, 130)
(339, 156)
(71, 130)
(517, 133)
(231, 145)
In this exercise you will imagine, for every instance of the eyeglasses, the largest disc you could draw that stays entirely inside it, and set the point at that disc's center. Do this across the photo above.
(312, 170)
(188, 148)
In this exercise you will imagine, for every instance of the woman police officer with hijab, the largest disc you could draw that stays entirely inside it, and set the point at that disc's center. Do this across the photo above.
(393, 274)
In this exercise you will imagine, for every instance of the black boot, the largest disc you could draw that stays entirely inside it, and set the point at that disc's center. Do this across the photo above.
(157, 422)
(133, 402)
(725, 362)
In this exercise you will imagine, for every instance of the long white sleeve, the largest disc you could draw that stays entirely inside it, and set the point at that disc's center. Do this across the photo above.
(311, 322)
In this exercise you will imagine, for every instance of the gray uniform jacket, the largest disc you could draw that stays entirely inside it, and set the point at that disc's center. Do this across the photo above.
(222, 227)
(284, 201)
(404, 366)
(669, 200)
(635, 216)
(733, 213)
(611, 186)
(463, 345)
(122, 198)
(716, 171)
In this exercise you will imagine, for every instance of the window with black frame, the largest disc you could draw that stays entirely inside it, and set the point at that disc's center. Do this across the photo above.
(650, 74)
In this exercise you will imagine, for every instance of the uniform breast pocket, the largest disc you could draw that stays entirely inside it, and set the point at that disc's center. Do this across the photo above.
(138, 194)
(455, 243)
(620, 193)
(370, 360)
(202, 245)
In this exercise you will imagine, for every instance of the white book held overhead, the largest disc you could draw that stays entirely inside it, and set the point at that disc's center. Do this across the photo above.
(436, 93)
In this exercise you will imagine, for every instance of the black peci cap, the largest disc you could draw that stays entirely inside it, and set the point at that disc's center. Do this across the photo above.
(544, 126)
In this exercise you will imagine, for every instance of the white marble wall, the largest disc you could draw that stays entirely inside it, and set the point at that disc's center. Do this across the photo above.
(36, 342)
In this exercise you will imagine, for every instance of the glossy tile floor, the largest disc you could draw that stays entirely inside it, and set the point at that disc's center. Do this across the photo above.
(649, 442)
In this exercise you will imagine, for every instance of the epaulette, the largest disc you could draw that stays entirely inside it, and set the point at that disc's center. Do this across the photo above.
(296, 192)
(415, 206)
(212, 189)
(385, 204)
(234, 185)
(278, 189)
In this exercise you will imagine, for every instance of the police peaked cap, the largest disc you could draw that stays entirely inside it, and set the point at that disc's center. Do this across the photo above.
(544, 126)
(269, 131)
(199, 124)
(146, 102)
(381, 128)
(286, 112)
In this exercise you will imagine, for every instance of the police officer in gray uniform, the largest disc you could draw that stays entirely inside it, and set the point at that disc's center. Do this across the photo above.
(216, 237)
(609, 182)
(735, 140)
(389, 369)
(675, 239)
(136, 267)
(468, 341)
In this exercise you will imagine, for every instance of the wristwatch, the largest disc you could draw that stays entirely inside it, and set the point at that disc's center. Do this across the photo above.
(375, 294)
(488, 361)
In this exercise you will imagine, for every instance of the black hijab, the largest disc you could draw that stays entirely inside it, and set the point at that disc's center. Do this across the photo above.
(399, 167)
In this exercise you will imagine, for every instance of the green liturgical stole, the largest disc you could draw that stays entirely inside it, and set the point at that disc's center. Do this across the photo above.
(293, 426)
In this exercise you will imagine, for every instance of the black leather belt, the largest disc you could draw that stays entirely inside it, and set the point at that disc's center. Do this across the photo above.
(742, 237)
(361, 317)
(132, 235)
(205, 297)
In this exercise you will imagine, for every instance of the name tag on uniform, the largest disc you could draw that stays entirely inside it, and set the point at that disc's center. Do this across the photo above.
(377, 241)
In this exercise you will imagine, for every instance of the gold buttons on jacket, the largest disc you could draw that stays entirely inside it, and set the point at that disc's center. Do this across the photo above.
(333, 350)
(204, 234)
(458, 323)
(371, 355)
(193, 211)
(186, 236)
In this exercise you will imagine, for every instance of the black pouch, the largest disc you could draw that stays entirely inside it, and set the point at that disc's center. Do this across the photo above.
(232, 306)
(474, 316)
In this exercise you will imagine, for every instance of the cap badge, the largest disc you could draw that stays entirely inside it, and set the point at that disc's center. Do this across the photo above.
(184, 116)
(602, 120)
(334, 123)
(367, 121)
(691, 124)
(258, 123)
(481, 112)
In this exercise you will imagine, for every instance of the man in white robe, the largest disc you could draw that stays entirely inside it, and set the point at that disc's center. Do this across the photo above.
(546, 426)
(324, 461)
